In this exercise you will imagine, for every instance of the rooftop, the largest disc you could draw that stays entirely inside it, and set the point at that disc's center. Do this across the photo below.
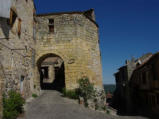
(85, 13)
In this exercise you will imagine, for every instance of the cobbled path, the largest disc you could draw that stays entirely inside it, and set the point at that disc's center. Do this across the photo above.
(51, 105)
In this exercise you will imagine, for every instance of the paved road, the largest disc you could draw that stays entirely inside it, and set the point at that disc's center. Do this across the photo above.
(51, 105)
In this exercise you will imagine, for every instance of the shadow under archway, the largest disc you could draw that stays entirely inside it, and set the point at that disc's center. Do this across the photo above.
(52, 72)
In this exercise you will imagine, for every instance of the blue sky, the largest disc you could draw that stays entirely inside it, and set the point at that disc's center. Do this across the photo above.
(128, 28)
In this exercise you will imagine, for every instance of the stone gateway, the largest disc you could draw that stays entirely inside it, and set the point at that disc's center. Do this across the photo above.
(73, 37)
(47, 51)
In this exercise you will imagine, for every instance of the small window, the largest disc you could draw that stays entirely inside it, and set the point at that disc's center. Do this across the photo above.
(144, 77)
(45, 72)
(13, 17)
(154, 72)
(51, 29)
(51, 21)
(51, 25)
(19, 27)
(22, 78)
(34, 12)
(157, 99)
(154, 100)
(21, 83)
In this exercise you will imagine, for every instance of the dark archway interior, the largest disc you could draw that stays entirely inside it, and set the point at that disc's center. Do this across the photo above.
(54, 80)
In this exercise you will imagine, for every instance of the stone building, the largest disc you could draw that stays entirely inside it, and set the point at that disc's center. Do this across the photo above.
(73, 38)
(46, 51)
(122, 96)
(16, 46)
(144, 86)
(119, 99)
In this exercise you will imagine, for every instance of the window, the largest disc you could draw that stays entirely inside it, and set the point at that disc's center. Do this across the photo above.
(51, 21)
(51, 29)
(19, 27)
(144, 77)
(22, 78)
(34, 12)
(154, 72)
(153, 101)
(157, 99)
(21, 83)
(51, 25)
(13, 17)
(44, 71)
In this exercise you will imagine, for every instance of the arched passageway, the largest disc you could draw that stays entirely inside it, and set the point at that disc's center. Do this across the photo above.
(52, 72)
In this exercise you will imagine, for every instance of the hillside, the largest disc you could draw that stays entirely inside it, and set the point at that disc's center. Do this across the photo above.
(109, 87)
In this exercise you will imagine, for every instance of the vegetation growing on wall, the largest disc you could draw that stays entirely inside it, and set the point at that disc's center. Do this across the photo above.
(86, 89)
(87, 94)
(73, 94)
(34, 95)
(12, 105)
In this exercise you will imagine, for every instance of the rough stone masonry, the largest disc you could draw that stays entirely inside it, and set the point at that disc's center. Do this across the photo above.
(27, 39)
(74, 39)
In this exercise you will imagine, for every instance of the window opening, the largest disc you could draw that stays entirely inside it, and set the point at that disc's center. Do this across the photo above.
(51, 25)
(45, 72)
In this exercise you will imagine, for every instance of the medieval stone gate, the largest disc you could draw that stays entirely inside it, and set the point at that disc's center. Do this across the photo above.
(51, 71)
(73, 37)
(46, 48)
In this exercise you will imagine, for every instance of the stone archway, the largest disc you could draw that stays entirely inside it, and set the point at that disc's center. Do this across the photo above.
(51, 72)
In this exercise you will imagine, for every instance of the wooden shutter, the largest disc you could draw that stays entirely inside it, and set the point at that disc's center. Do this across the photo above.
(19, 26)
(11, 17)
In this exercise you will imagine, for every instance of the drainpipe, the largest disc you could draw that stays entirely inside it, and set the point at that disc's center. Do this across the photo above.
(12, 64)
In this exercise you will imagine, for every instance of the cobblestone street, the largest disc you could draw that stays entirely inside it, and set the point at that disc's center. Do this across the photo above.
(51, 105)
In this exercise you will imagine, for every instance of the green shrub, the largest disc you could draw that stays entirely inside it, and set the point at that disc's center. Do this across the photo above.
(108, 112)
(96, 107)
(34, 95)
(12, 105)
(104, 107)
(70, 93)
(86, 89)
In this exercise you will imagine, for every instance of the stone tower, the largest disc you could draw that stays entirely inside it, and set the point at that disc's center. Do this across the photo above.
(71, 40)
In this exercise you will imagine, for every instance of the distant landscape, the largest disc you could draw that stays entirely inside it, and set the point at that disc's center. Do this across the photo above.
(109, 88)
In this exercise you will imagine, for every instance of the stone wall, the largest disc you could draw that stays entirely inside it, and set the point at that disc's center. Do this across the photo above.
(1, 89)
(16, 49)
(75, 40)
(25, 41)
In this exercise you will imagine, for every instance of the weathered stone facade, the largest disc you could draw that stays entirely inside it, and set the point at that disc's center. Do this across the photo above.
(16, 49)
(75, 39)
(27, 45)
(122, 97)
(144, 85)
